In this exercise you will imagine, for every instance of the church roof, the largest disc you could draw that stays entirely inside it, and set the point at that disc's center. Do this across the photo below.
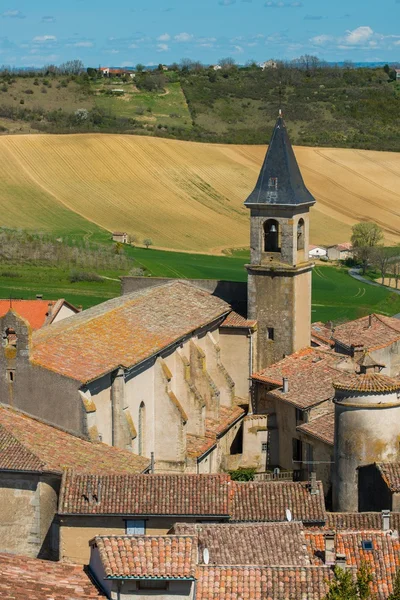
(369, 383)
(280, 181)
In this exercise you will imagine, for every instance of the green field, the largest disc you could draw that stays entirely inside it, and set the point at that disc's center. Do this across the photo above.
(335, 295)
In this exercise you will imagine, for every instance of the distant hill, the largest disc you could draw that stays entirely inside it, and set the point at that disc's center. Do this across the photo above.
(182, 195)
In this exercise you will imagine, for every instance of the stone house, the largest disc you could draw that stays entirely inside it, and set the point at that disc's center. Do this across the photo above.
(39, 312)
(120, 236)
(153, 504)
(33, 455)
(316, 251)
(340, 251)
(146, 371)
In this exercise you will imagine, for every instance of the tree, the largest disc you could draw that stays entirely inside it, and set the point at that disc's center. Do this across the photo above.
(139, 68)
(72, 67)
(386, 68)
(227, 63)
(345, 587)
(148, 242)
(365, 236)
(384, 257)
(395, 595)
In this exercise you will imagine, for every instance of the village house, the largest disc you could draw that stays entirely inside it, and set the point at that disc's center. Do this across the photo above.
(269, 64)
(120, 236)
(397, 74)
(33, 455)
(153, 504)
(340, 251)
(316, 251)
(39, 312)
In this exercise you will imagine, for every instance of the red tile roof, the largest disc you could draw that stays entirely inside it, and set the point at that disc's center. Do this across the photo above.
(197, 445)
(310, 373)
(391, 475)
(36, 312)
(236, 320)
(360, 521)
(268, 501)
(147, 557)
(266, 583)
(169, 494)
(23, 578)
(382, 332)
(322, 428)
(282, 544)
(321, 334)
(27, 444)
(124, 331)
(375, 383)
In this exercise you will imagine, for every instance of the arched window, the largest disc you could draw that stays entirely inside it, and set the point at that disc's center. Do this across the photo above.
(10, 337)
(300, 235)
(142, 429)
(272, 238)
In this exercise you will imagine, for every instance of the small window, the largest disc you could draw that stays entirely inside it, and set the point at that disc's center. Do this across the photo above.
(367, 545)
(264, 447)
(135, 527)
(270, 333)
(146, 584)
(11, 375)
(297, 448)
(299, 416)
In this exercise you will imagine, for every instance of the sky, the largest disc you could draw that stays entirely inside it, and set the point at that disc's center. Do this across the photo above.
(127, 32)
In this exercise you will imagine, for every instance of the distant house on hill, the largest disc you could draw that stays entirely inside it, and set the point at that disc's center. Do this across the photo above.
(316, 251)
(109, 72)
(269, 64)
(216, 67)
(121, 237)
(39, 312)
(340, 251)
(397, 71)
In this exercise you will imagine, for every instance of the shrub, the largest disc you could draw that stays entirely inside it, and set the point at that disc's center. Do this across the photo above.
(76, 276)
(28, 92)
(242, 474)
(13, 274)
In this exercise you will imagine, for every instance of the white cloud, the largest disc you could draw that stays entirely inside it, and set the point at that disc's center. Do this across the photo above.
(13, 14)
(165, 37)
(81, 45)
(322, 40)
(162, 47)
(48, 19)
(238, 49)
(363, 38)
(183, 37)
(358, 36)
(42, 39)
(397, 43)
(133, 46)
(226, 2)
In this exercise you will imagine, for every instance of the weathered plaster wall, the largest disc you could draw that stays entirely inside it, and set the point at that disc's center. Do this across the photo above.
(235, 355)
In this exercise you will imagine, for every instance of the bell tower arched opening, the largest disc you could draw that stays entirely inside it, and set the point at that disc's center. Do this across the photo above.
(300, 235)
(272, 236)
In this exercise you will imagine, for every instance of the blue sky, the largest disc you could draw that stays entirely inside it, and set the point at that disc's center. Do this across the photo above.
(126, 32)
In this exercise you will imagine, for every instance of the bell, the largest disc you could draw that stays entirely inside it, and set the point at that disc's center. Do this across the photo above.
(272, 229)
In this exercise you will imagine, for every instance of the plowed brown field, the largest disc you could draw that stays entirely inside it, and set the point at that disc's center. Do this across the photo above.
(183, 195)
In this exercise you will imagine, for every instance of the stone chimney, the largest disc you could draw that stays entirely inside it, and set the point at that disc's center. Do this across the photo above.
(341, 561)
(313, 483)
(385, 520)
(369, 320)
(330, 557)
(285, 385)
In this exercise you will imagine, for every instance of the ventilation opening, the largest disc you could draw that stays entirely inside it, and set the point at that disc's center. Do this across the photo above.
(11, 375)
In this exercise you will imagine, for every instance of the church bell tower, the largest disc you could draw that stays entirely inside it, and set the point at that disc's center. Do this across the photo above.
(279, 273)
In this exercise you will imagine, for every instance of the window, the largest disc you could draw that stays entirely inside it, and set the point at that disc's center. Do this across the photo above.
(367, 545)
(135, 527)
(299, 416)
(300, 235)
(297, 450)
(152, 585)
(272, 238)
(264, 447)
(11, 375)
(142, 429)
(270, 333)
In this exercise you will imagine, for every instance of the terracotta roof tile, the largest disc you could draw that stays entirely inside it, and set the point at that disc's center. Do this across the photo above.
(382, 332)
(197, 445)
(360, 521)
(267, 583)
(282, 544)
(236, 320)
(310, 373)
(27, 444)
(391, 474)
(321, 428)
(368, 383)
(23, 578)
(35, 312)
(321, 334)
(147, 557)
(268, 501)
(124, 331)
(169, 494)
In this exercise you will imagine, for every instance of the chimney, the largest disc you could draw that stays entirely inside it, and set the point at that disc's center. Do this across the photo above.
(369, 320)
(39, 296)
(385, 520)
(330, 549)
(313, 484)
(80, 308)
(341, 561)
(285, 385)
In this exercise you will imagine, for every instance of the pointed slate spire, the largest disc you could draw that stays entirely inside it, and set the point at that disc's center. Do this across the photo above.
(280, 181)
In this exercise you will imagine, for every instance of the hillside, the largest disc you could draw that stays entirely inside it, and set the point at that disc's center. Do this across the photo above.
(183, 195)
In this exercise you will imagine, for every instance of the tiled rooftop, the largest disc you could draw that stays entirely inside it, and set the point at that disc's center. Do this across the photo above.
(23, 578)
(360, 521)
(266, 583)
(268, 501)
(197, 445)
(322, 428)
(391, 475)
(147, 557)
(282, 544)
(368, 383)
(310, 373)
(36, 312)
(321, 334)
(169, 494)
(124, 331)
(236, 320)
(27, 444)
(382, 332)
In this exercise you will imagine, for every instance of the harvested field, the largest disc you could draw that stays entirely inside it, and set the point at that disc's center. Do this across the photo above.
(183, 195)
